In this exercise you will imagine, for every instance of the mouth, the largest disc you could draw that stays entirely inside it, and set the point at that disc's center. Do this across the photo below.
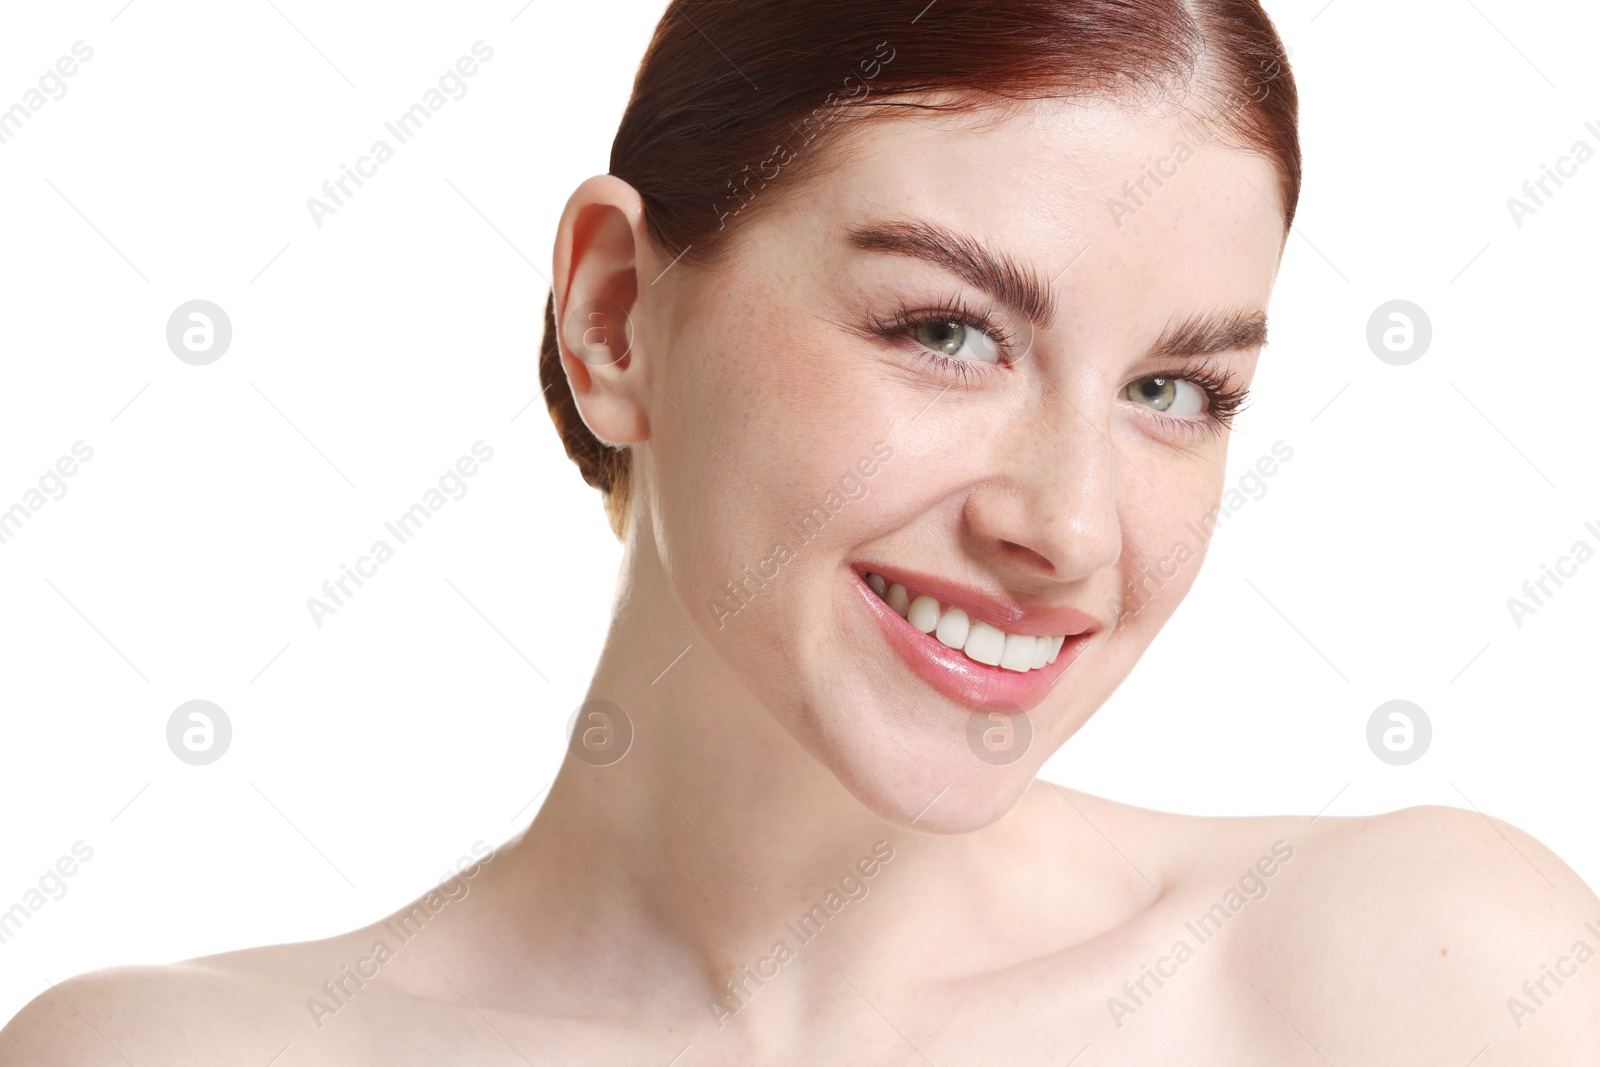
(976, 649)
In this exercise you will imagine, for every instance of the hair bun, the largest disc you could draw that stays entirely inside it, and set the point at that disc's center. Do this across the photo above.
(602, 466)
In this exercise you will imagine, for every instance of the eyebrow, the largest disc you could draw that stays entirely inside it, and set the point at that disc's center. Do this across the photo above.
(1208, 334)
(995, 273)
(1020, 288)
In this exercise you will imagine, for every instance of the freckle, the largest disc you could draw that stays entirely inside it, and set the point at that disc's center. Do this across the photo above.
(1444, 952)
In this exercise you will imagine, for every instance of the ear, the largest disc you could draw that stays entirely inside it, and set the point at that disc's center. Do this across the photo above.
(598, 250)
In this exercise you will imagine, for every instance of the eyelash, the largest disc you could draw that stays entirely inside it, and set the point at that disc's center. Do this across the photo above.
(1224, 401)
(904, 321)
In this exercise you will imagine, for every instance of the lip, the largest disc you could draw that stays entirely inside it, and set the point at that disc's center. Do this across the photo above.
(999, 612)
(949, 670)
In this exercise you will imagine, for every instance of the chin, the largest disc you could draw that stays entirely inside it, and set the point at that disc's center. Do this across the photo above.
(934, 703)
(959, 802)
(922, 769)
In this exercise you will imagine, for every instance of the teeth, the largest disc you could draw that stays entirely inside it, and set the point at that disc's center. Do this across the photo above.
(1019, 652)
(978, 640)
(924, 614)
(985, 644)
(1042, 649)
(953, 628)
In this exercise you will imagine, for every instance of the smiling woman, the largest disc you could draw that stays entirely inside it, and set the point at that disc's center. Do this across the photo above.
(806, 75)
(839, 232)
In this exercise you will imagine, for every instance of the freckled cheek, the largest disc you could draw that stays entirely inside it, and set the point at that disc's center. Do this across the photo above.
(1165, 536)
(781, 425)
(795, 396)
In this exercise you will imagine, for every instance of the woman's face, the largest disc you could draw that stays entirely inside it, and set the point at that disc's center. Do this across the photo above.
(1056, 480)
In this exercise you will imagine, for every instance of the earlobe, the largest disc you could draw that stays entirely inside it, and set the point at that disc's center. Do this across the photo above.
(596, 275)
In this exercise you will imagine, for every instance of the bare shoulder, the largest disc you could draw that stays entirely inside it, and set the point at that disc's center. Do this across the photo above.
(359, 997)
(1424, 933)
(119, 1015)
(245, 1007)
(1429, 934)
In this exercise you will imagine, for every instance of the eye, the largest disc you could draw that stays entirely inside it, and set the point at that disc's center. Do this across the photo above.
(957, 339)
(1197, 399)
(1170, 396)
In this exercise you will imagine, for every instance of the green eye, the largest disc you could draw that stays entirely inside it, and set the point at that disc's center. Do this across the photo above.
(945, 337)
(956, 339)
(1170, 395)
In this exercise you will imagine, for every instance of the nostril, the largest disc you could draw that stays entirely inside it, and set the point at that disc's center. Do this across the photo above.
(1028, 555)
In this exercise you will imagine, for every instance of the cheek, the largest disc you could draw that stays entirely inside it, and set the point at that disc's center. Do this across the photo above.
(765, 460)
(1166, 530)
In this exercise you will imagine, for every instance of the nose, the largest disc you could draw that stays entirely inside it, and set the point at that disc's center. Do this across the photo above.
(1051, 510)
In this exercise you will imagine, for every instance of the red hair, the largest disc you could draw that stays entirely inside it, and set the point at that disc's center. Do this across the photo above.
(734, 98)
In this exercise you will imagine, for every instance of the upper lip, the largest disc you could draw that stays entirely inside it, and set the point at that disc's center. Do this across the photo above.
(1000, 610)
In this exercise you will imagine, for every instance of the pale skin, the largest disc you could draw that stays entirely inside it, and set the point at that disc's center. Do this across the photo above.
(1013, 914)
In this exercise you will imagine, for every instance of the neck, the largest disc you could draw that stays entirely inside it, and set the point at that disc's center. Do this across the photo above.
(717, 832)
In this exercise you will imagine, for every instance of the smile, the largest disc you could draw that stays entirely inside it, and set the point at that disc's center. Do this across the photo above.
(956, 629)
(976, 648)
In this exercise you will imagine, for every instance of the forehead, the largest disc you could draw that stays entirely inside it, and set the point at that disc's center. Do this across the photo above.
(1153, 211)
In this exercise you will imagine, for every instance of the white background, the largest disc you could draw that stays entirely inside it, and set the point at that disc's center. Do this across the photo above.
(370, 353)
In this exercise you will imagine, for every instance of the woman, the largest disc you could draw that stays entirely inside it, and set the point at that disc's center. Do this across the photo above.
(902, 340)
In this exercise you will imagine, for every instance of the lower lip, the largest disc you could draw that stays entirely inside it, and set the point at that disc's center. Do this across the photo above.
(959, 677)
